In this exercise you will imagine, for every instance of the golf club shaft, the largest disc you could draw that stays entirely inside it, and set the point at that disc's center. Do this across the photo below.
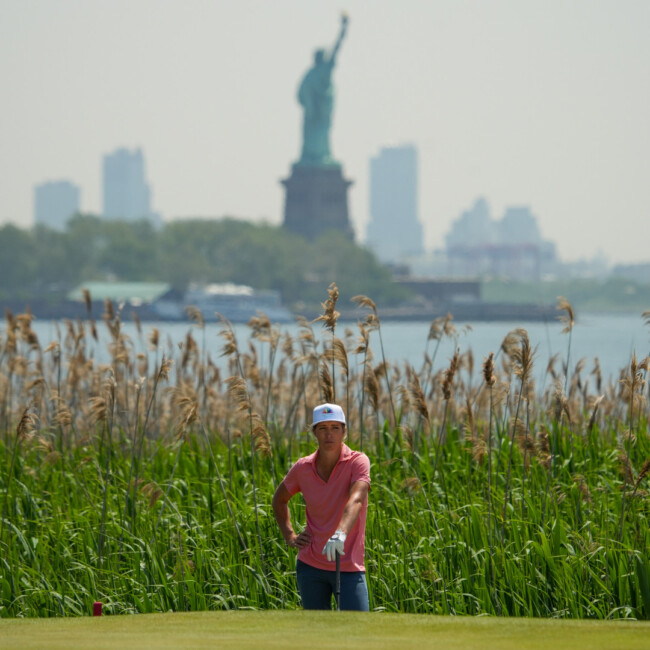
(337, 583)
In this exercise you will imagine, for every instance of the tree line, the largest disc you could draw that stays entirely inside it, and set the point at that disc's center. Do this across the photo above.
(41, 261)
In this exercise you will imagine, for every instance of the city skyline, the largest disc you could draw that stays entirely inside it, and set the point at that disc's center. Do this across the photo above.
(538, 104)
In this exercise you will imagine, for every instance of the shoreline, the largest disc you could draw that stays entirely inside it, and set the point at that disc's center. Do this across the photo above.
(479, 311)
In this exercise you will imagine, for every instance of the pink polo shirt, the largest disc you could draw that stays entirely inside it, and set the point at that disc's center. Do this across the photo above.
(325, 503)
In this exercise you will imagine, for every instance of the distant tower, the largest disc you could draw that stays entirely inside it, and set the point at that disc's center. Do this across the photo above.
(394, 231)
(54, 203)
(126, 191)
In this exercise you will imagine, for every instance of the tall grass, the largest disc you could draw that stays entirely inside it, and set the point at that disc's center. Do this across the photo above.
(148, 487)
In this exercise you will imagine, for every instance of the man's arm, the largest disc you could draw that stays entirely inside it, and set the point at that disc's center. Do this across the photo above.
(358, 496)
(281, 512)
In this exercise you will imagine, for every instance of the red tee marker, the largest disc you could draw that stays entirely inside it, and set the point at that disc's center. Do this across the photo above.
(97, 609)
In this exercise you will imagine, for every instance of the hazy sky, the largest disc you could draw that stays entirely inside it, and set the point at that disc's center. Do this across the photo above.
(538, 102)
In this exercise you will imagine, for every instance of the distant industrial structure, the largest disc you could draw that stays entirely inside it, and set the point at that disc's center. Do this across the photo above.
(160, 301)
(478, 245)
(126, 192)
(394, 232)
(55, 202)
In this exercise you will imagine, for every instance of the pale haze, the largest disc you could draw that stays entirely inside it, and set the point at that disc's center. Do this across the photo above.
(524, 102)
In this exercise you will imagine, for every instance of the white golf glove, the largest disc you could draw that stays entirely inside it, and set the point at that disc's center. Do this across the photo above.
(334, 543)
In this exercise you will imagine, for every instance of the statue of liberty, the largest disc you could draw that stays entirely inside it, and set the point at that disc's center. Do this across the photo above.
(316, 96)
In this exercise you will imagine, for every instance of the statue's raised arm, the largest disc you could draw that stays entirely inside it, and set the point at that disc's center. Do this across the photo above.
(339, 40)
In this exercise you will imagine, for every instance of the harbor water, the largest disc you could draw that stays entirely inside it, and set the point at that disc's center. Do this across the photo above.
(612, 339)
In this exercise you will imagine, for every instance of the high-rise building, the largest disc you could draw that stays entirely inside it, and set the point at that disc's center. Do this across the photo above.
(394, 231)
(126, 193)
(55, 202)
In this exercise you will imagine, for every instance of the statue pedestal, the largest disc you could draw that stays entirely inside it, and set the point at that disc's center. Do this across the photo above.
(316, 201)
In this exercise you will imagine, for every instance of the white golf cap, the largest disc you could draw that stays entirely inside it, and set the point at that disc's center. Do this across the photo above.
(328, 413)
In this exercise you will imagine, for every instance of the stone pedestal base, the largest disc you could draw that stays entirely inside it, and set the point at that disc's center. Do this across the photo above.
(316, 201)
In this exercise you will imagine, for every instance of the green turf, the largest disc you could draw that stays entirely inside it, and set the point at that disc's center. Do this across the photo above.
(297, 629)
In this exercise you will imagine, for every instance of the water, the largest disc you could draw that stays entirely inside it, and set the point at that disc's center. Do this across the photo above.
(610, 338)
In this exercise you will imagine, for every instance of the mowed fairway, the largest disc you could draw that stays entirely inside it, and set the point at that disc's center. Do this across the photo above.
(297, 629)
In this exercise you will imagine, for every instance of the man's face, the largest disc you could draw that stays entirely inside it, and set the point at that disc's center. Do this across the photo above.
(329, 434)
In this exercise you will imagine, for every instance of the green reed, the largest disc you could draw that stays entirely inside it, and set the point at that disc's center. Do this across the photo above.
(188, 557)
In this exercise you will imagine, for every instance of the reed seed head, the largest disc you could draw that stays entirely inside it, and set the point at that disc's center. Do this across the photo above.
(568, 318)
(417, 396)
(488, 370)
(364, 301)
(330, 315)
(449, 377)
(441, 326)
(325, 381)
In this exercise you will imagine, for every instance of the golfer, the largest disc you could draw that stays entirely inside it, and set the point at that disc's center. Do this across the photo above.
(334, 482)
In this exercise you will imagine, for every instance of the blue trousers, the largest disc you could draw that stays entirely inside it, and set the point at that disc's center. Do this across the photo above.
(316, 587)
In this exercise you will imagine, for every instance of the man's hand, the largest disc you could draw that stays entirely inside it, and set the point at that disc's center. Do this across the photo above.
(335, 543)
(301, 540)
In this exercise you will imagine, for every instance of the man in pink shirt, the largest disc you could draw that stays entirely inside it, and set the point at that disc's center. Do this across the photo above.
(334, 482)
